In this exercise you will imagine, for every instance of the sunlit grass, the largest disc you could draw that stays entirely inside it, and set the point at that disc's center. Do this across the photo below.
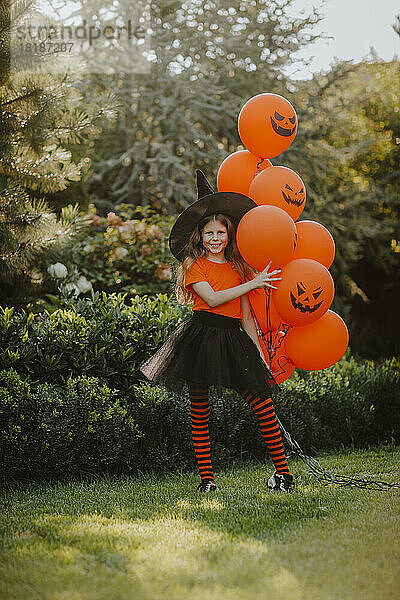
(156, 538)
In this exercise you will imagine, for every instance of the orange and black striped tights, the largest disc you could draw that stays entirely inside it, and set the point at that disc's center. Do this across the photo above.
(269, 427)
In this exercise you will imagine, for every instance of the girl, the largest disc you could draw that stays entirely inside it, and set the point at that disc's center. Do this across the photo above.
(219, 344)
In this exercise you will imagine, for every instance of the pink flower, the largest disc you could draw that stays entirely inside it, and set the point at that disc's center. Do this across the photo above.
(127, 228)
(114, 220)
(163, 272)
(140, 230)
(155, 232)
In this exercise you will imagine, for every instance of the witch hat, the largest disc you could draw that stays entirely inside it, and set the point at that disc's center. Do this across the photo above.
(208, 202)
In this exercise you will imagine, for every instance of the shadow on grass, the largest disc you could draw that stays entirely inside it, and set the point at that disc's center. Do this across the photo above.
(243, 506)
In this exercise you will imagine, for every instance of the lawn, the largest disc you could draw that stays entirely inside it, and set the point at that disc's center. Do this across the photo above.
(155, 538)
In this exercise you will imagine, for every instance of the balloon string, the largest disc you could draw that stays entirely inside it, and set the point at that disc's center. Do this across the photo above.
(283, 328)
(258, 168)
(260, 333)
(276, 342)
(269, 327)
(325, 477)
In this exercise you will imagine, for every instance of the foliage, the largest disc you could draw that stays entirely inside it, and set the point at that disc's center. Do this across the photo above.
(45, 136)
(30, 237)
(99, 336)
(182, 113)
(59, 432)
(352, 403)
(84, 426)
(347, 153)
(127, 252)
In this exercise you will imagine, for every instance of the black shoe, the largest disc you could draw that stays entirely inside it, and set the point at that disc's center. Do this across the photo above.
(206, 485)
(282, 482)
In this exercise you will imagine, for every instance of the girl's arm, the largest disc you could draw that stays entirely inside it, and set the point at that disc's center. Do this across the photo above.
(249, 327)
(213, 299)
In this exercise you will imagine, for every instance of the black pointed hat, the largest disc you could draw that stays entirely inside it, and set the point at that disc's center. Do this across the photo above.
(208, 202)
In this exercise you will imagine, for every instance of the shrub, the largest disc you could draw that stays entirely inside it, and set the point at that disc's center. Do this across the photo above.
(351, 403)
(49, 431)
(126, 252)
(164, 419)
(84, 427)
(101, 342)
(99, 336)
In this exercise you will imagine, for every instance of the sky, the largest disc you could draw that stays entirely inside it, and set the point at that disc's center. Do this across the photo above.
(355, 25)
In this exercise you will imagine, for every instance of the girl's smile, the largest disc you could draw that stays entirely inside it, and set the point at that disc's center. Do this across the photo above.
(215, 239)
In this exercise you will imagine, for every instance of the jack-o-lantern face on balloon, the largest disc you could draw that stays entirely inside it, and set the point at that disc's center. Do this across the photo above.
(305, 292)
(306, 299)
(281, 187)
(283, 125)
(267, 125)
(293, 196)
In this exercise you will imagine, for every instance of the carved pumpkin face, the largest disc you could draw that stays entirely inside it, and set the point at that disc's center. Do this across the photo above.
(305, 292)
(282, 124)
(293, 196)
(281, 187)
(306, 298)
(267, 125)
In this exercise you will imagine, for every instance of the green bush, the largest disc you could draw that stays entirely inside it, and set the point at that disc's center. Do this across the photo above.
(99, 336)
(103, 341)
(351, 403)
(48, 431)
(164, 419)
(83, 427)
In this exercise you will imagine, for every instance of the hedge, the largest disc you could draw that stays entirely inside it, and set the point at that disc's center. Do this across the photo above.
(85, 427)
(72, 398)
(99, 336)
(48, 431)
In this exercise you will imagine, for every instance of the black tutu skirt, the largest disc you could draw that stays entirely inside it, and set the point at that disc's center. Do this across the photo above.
(210, 350)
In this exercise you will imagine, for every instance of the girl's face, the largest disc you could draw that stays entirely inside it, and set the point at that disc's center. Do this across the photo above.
(215, 239)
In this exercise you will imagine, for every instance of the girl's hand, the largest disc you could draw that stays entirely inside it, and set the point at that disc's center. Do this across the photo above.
(264, 278)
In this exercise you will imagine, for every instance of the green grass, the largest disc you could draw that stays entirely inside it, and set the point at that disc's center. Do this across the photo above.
(154, 538)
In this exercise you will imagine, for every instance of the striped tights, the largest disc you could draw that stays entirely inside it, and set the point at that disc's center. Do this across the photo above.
(262, 407)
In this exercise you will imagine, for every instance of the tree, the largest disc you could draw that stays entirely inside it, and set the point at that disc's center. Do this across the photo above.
(41, 127)
(206, 59)
(347, 153)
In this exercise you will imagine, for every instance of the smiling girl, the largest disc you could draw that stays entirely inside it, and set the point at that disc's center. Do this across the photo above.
(219, 345)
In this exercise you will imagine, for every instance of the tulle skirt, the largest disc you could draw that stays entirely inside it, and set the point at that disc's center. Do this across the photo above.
(210, 350)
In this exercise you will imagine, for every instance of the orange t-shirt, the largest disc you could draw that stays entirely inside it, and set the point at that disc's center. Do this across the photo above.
(220, 276)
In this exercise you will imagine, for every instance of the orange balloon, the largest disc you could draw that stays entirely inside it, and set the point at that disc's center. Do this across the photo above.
(314, 241)
(280, 187)
(266, 233)
(257, 298)
(318, 345)
(238, 170)
(267, 125)
(281, 365)
(305, 292)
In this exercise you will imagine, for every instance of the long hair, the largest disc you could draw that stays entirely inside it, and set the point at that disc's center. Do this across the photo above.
(196, 250)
